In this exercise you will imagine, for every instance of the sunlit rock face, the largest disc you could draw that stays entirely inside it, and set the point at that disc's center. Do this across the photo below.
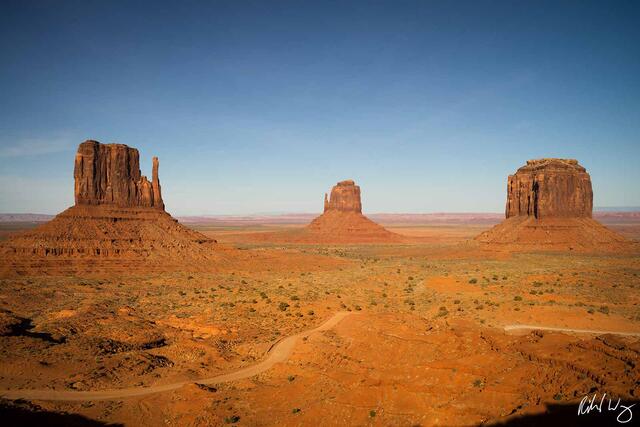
(345, 197)
(109, 174)
(550, 188)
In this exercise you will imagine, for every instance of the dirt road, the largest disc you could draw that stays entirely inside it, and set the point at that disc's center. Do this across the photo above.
(280, 352)
(508, 328)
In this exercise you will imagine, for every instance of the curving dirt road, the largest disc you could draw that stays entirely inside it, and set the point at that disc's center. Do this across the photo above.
(279, 352)
(508, 328)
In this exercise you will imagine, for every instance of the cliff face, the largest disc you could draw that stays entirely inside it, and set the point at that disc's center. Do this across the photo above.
(345, 197)
(109, 174)
(550, 188)
(549, 205)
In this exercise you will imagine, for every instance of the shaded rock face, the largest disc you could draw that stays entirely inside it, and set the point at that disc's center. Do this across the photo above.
(550, 188)
(109, 174)
(345, 197)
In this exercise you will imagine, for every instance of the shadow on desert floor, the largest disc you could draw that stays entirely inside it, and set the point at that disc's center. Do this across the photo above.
(23, 413)
(566, 415)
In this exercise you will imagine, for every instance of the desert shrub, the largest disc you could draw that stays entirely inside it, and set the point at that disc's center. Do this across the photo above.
(291, 378)
(295, 410)
(478, 383)
(283, 306)
(604, 309)
(473, 281)
(372, 413)
(232, 419)
(295, 298)
(517, 298)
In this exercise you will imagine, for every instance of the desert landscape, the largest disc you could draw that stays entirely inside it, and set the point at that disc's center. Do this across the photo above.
(115, 313)
(319, 213)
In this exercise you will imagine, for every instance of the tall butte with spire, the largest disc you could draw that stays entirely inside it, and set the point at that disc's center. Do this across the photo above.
(119, 217)
(109, 174)
(549, 206)
(342, 220)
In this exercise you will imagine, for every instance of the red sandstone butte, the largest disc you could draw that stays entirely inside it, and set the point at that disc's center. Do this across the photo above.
(118, 220)
(345, 197)
(550, 188)
(110, 174)
(342, 220)
(549, 207)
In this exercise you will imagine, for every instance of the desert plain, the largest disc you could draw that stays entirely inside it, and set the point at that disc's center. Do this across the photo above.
(115, 313)
(423, 341)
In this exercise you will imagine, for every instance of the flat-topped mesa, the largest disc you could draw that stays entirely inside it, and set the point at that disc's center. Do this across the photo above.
(550, 188)
(109, 174)
(345, 197)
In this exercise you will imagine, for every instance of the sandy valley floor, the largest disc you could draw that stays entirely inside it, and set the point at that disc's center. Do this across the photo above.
(422, 339)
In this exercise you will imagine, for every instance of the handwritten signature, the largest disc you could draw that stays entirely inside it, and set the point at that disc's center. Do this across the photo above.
(591, 404)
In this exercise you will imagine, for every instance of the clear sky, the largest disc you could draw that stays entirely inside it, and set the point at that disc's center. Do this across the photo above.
(257, 107)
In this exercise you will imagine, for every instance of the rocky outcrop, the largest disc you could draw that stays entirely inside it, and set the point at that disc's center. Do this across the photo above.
(550, 188)
(109, 174)
(345, 197)
(118, 222)
(549, 206)
(342, 220)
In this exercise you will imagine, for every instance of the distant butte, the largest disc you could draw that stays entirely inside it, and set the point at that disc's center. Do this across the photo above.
(549, 206)
(342, 220)
(118, 219)
(345, 197)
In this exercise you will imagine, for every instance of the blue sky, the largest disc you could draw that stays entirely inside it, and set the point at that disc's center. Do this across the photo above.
(262, 106)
